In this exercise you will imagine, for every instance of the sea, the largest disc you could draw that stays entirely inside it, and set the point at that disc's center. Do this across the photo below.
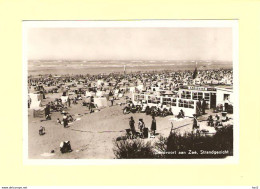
(74, 67)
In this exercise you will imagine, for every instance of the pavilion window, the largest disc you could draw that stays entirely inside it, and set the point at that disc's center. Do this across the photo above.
(191, 104)
(181, 103)
(166, 101)
(186, 105)
(186, 94)
(197, 95)
(200, 95)
(174, 102)
(206, 96)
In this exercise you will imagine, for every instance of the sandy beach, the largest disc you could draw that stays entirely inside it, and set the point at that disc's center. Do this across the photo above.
(91, 135)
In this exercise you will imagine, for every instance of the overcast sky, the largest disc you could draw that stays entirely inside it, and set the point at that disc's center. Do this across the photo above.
(130, 43)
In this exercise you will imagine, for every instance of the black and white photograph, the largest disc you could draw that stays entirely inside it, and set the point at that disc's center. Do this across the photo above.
(141, 89)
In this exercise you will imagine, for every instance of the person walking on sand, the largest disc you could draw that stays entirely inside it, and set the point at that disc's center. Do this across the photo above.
(204, 104)
(65, 121)
(153, 126)
(195, 122)
(132, 125)
(112, 101)
(69, 102)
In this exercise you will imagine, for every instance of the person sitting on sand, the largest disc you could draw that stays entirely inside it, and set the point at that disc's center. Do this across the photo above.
(58, 121)
(84, 103)
(170, 111)
(217, 122)
(181, 114)
(147, 110)
(65, 147)
(70, 118)
(210, 121)
(165, 112)
(42, 130)
(224, 117)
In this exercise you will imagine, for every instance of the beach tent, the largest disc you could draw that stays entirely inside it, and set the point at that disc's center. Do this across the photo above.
(106, 95)
(229, 82)
(35, 100)
(35, 96)
(208, 82)
(99, 83)
(215, 82)
(116, 91)
(35, 105)
(64, 99)
(101, 102)
(132, 89)
(100, 93)
(140, 87)
(88, 94)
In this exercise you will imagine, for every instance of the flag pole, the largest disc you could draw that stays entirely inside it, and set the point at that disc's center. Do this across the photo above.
(194, 75)
(124, 70)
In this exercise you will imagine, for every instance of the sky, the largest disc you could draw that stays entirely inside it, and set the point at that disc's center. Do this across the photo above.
(130, 44)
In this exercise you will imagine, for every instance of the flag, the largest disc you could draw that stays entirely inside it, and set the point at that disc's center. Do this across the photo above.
(195, 73)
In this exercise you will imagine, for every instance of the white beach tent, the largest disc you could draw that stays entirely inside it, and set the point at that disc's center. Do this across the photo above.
(88, 94)
(99, 83)
(132, 89)
(100, 93)
(64, 99)
(215, 82)
(35, 101)
(35, 105)
(101, 102)
(116, 92)
(140, 87)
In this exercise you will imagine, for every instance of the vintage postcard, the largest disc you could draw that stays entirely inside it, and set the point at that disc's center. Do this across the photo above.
(156, 91)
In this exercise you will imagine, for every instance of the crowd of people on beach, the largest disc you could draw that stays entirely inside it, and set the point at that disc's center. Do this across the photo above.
(171, 79)
(117, 85)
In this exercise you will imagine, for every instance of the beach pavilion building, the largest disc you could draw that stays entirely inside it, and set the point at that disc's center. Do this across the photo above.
(186, 98)
(207, 93)
(225, 98)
